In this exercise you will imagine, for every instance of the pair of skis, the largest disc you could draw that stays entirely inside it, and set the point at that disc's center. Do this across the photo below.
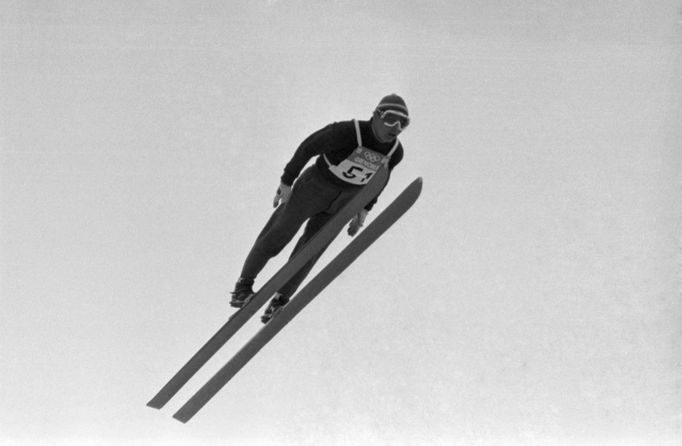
(358, 245)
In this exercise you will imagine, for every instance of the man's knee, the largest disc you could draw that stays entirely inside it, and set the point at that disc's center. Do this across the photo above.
(274, 241)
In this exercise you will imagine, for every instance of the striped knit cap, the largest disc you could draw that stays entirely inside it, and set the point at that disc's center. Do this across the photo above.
(393, 102)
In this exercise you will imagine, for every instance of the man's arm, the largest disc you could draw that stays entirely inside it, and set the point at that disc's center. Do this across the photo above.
(315, 144)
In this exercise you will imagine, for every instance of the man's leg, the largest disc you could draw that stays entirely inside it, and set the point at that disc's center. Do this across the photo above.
(265, 246)
(287, 290)
(277, 233)
(314, 225)
(310, 196)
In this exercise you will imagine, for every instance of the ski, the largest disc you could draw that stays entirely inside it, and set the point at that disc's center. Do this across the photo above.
(337, 265)
(323, 237)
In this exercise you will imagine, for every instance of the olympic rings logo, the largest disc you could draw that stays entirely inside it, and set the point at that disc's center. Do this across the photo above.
(372, 157)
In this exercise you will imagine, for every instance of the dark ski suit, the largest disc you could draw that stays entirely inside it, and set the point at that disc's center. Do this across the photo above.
(346, 154)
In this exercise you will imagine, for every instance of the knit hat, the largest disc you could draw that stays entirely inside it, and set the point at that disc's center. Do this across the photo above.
(393, 102)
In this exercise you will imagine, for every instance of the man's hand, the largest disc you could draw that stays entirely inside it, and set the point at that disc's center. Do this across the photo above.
(283, 194)
(357, 222)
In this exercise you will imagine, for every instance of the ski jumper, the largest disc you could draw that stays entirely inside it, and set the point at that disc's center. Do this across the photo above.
(348, 156)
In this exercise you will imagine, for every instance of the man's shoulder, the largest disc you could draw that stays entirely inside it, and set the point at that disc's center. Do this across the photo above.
(342, 126)
(339, 131)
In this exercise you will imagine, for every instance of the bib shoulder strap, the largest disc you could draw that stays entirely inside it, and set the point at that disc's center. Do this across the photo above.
(357, 132)
(394, 148)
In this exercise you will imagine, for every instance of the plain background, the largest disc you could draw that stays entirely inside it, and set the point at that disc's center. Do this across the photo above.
(531, 296)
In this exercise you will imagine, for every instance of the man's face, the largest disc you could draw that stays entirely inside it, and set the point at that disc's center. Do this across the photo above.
(384, 131)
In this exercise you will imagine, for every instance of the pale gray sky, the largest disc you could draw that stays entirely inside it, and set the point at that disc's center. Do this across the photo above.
(531, 296)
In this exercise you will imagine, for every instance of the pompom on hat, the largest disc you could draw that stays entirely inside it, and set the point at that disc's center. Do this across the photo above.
(393, 102)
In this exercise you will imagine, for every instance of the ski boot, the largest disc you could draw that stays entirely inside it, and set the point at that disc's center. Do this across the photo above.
(276, 304)
(243, 292)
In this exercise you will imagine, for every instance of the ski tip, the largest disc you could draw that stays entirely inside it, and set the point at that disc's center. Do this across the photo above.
(417, 184)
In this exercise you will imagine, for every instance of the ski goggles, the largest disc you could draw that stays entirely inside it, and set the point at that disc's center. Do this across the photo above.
(392, 118)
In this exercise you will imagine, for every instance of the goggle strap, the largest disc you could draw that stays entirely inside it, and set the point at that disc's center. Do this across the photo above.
(383, 113)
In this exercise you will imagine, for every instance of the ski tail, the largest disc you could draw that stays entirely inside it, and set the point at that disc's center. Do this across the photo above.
(356, 247)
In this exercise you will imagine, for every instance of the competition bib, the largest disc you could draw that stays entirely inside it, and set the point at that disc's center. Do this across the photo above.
(360, 165)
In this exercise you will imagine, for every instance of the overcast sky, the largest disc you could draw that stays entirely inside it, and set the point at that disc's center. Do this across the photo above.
(531, 296)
